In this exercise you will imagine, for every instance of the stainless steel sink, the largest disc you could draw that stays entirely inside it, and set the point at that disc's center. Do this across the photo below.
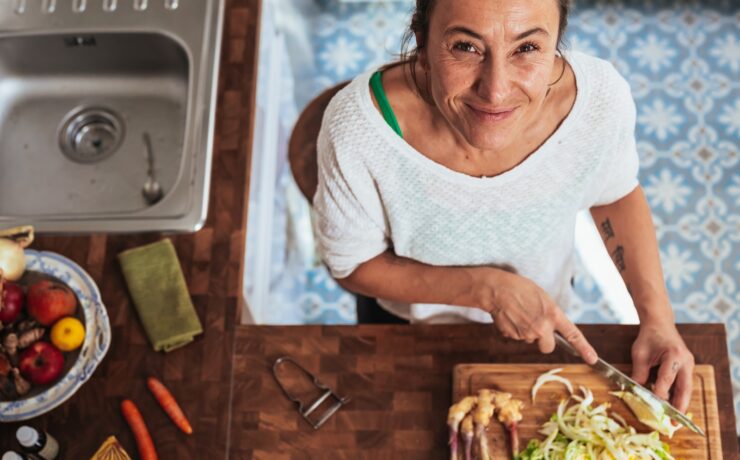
(83, 84)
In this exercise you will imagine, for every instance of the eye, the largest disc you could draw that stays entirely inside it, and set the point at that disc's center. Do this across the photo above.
(465, 47)
(528, 48)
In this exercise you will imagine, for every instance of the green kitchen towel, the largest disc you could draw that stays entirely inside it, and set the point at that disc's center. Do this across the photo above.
(156, 284)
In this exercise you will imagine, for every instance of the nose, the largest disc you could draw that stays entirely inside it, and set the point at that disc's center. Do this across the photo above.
(494, 80)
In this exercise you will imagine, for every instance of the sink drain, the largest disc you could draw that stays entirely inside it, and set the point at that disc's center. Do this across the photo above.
(90, 134)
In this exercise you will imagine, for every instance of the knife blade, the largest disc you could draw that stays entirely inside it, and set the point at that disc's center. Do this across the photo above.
(626, 383)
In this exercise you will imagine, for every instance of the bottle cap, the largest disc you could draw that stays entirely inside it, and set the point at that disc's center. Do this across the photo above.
(10, 455)
(27, 436)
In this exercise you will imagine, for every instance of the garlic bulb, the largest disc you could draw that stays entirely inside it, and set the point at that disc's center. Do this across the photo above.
(12, 258)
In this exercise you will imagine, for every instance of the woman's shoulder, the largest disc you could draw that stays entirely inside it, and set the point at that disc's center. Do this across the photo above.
(599, 71)
(607, 88)
(347, 104)
(353, 116)
(348, 128)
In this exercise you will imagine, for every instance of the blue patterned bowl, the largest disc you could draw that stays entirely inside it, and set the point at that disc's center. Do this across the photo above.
(97, 337)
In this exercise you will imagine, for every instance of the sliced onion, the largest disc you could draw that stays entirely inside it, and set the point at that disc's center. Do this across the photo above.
(550, 376)
(577, 429)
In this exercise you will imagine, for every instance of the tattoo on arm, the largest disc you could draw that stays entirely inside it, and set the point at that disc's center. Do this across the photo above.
(607, 230)
(618, 256)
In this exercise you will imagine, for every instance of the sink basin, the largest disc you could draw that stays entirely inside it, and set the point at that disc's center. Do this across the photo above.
(82, 85)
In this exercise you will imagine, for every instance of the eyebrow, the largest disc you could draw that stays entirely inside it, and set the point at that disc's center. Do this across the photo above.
(536, 30)
(477, 36)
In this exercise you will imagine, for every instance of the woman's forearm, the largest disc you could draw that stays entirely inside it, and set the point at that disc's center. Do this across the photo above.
(520, 309)
(399, 279)
(626, 226)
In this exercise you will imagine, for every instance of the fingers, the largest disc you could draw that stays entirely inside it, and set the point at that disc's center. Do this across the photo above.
(547, 343)
(575, 337)
(683, 388)
(667, 372)
(534, 319)
(506, 326)
(640, 365)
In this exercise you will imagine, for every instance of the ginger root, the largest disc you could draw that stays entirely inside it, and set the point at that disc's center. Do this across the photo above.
(11, 344)
(21, 385)
(29, 337)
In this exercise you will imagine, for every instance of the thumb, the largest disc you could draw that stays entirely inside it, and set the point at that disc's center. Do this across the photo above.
(640, 364)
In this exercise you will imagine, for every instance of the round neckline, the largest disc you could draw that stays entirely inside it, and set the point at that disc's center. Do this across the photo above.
(532, 159)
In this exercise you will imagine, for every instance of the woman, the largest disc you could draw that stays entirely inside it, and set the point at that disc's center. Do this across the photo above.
(449, 182)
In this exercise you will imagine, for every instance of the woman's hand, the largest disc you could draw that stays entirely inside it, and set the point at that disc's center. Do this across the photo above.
(659, 344)
(523, 311)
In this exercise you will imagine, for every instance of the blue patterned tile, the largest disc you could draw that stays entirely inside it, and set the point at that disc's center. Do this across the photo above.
(671, 191)
(682, 59)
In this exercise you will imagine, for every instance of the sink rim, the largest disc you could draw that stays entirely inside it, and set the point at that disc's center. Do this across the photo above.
(143, 91)
(205, 58)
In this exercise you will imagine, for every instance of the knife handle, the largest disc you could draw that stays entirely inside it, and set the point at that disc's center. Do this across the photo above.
(560, 340)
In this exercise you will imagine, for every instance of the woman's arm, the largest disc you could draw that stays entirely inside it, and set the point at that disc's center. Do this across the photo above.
(627, 229)
(521, 309)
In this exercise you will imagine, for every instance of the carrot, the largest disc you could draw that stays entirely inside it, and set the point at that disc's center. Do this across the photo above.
(138, 427)
(168, 403)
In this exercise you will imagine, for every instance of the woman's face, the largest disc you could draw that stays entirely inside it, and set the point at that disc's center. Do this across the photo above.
(490, 62)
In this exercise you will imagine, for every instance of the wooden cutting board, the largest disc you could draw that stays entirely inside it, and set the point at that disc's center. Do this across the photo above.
(518, 380)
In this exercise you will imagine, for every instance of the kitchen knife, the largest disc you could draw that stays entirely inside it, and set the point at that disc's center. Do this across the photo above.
(626, 383)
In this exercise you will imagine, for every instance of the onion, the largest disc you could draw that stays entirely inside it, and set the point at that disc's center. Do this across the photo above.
(12, 258)
(550, 376)
(579, 431)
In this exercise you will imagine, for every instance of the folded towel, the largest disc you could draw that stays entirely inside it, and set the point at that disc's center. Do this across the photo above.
(156, 284)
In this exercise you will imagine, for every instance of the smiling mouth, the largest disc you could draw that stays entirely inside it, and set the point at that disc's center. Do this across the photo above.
(491, 115)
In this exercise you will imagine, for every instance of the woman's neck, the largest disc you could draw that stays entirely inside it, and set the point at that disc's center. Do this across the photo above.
(430, 133)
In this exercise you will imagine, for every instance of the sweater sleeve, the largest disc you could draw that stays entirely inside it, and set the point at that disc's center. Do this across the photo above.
(349, 218)
(619, 169)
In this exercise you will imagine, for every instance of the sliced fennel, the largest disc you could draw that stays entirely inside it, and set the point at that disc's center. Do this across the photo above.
(651, 415)
(580, 431)
(550, 376)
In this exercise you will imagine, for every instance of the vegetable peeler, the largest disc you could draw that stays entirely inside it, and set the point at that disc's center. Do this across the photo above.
(327, 393)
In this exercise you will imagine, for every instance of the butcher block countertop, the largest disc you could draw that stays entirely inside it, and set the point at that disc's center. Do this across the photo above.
(399, 378)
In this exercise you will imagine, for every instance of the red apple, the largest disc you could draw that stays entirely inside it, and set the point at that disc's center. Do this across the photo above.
(41, 363)
(50, 300)
(11, 302)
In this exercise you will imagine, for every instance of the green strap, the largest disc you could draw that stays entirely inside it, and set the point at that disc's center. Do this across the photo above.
(376, 85)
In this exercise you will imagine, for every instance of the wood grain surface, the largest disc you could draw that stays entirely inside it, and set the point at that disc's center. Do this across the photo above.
(400, 377)
(400, 380)
(518, 380)
(199, 375)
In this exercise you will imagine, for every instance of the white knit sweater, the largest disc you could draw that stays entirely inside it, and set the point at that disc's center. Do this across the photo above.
(377, 192)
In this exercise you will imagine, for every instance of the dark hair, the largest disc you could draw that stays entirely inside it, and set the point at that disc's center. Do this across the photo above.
(419, 26)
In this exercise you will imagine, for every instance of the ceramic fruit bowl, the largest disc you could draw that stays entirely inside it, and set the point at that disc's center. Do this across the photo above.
(80, 364)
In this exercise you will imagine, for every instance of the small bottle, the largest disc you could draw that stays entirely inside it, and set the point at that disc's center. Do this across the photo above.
(37, 442)
(13, 455)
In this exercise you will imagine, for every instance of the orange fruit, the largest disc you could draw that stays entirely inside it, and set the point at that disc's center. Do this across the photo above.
(68, 333)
